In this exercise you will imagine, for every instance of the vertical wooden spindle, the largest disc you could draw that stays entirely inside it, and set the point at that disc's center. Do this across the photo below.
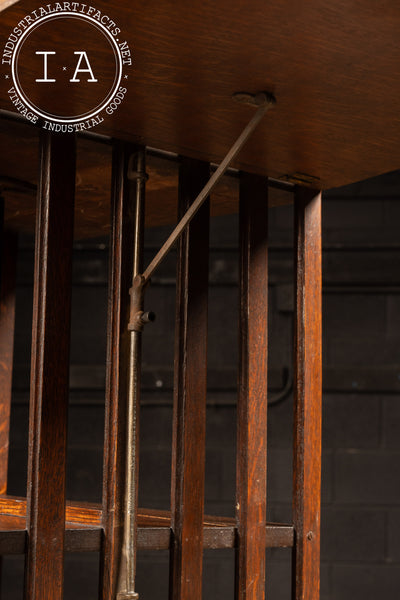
(7, 323)
(190, 388)
(307, 391)
(50, 369)
(252, 401)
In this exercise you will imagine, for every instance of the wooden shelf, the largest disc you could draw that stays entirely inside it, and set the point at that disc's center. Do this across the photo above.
(334, 70)
(84, 530)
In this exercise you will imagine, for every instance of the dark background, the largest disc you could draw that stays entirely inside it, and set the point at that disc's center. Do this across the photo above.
(361, 407)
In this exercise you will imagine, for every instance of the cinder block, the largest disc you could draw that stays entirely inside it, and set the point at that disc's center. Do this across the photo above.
(86, 425)
(391, 422)
(224, 230)
(19, 424)
(23, 324)
(366, 582)
(152, 574)
(17, 471)
(393, 310)
(280, 477)
(155, 428)
(351, 214)
(84, 474)
(360, 350)
(353, 534)
(279, 575)
(367, 478)
(81, 576)
(280, 423)
(88, 325)
(218, 574)
(279, 485)
(349, 315)
(351, 421)
(154, 478)
(279, 512)
(220, 482)
(221, 426)
(12, 577)
(393, 536)
(327, 476)
(391, 211)
(223, 315)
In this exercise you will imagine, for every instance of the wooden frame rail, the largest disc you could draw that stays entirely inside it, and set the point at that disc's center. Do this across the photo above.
(84, 531)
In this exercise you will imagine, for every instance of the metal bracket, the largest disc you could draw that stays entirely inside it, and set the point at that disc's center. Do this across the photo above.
(132, 173)
(138, 318)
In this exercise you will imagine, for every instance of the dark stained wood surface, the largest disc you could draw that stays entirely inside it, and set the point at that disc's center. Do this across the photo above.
(251, 461)
(50, 370)
(334, 69)
(84, 529)
(307, 396)
(190, 390)
(18, 180)
(7, 323)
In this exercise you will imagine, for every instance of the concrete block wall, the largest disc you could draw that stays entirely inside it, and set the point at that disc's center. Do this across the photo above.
(361, 402)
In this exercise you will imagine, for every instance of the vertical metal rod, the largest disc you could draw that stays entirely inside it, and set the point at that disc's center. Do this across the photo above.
(126, 585)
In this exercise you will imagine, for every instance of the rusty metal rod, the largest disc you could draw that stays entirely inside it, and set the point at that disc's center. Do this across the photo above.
(269, 101)
(126, 582)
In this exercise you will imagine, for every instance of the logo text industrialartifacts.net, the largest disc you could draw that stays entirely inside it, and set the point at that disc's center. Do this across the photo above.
(78, 66)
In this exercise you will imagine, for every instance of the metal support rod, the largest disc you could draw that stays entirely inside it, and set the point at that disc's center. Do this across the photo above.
(184, 222)
(126, 583)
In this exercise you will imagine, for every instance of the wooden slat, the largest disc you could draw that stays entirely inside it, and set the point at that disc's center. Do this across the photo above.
(190, 389)
(88, 539)
(307, 390)
(7, 323)
(50, 365)
(252, 401)
(121, 262)
(84, 529)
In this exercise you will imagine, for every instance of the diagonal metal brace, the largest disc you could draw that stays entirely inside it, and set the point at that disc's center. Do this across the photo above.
(138, 318)
(265, 101)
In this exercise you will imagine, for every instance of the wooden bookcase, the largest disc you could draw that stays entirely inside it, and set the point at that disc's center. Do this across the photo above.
(44, 525)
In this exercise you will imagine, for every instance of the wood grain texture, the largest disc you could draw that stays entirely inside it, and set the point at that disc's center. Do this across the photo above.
(251, 462)
(120, 281)
(6, 3)
(7, 324)
(190, 390)
(50, 369)
(18, 146)
(83, 529)
(308, 391)
(327, 64)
